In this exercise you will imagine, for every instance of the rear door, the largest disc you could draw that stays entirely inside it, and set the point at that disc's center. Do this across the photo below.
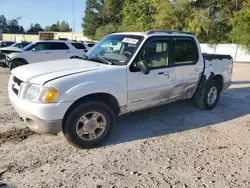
(60, 50)
(187, 66)
(39, 52)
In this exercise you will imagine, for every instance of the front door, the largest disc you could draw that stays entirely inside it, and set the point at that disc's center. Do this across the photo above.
(150, 90)
(40, 52)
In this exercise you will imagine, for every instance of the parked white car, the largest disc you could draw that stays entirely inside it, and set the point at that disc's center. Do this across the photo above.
(17, 47)
(89, 45)
(122, 73)
(45, 51)
(6, 43)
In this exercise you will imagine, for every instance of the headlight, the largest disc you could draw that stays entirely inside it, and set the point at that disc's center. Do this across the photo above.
(38, 93)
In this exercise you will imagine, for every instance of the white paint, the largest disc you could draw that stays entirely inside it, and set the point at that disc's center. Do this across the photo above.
(47, 55)
(133, 90)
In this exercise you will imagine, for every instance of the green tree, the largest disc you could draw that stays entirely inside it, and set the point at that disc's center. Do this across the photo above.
(64, 27)
(3, 24)
(54, 28)
(137, 15)
(105, 30)
(35, 28)
(109, 11)
(93, 17)
(59, 27)
(14, 27)
(240, 33)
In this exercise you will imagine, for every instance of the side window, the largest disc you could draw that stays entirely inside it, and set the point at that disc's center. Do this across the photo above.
(79, 46)
(4, 44)
(19, 46)
(156, 54)
(186, 51)
(9, 43)
(41, 46)
(59, 46)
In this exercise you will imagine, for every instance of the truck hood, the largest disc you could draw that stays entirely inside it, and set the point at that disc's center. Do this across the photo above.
(40, 73)
(11, 49)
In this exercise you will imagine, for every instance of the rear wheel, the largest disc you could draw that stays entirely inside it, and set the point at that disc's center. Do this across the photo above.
(209, 96)
(16, 63)
(88, 125)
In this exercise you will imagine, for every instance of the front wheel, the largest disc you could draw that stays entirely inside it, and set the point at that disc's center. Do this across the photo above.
(209, 96)
(88, 125)
(16, 63)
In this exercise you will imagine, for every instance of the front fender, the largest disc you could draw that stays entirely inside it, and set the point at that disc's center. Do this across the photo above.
(93, 87)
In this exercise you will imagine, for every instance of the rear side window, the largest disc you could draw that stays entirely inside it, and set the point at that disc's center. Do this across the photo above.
(186, 51)
(59, 46)
(79, 46)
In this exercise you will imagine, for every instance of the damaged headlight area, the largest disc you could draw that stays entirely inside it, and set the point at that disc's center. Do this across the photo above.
(36, 93)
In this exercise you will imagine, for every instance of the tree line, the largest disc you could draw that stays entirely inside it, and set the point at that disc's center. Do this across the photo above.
(13, 26)
(212, 21)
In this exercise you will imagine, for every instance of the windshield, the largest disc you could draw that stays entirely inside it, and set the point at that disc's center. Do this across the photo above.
(118, 49)
(28, 47)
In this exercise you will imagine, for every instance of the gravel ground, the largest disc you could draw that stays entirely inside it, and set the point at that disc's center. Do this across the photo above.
(176, 146)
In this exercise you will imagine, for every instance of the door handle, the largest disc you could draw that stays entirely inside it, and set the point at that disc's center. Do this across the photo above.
(164, 74)
(68, 51)
(47, 52)
(196, 69)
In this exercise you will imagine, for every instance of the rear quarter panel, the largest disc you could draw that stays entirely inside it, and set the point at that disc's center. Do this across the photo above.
(219, 66)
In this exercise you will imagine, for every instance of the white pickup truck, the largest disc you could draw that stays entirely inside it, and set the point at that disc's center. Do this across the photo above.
(122, 73)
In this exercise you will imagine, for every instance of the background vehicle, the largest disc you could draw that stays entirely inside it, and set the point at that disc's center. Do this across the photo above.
(89, 45)
(80, 46)
(17, 47)
(6, 43)
(45, 51)
(123, 73)
(20, 45)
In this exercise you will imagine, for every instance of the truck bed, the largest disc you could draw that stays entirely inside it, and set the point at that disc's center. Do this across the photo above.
(219, 65)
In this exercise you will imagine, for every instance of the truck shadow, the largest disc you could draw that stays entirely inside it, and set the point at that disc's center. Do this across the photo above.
(180, 116)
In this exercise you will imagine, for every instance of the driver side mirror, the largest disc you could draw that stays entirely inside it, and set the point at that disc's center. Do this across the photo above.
(33, 49)
(143, 66)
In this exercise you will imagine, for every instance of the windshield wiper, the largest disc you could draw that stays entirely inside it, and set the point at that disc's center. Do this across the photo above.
(101, 60)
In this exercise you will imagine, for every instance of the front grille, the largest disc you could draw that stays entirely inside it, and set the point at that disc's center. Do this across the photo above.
(16, 85)
(15, 91)
(18, 81)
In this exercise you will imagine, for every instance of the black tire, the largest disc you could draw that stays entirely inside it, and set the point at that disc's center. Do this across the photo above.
(70, 124)
(16, 63)
(202, 100)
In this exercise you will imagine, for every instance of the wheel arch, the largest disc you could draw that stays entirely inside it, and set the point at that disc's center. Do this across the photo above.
(19, 59)
(106, 98)
(204, 81)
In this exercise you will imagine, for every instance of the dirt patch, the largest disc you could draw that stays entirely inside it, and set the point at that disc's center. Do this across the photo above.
(15, 135)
